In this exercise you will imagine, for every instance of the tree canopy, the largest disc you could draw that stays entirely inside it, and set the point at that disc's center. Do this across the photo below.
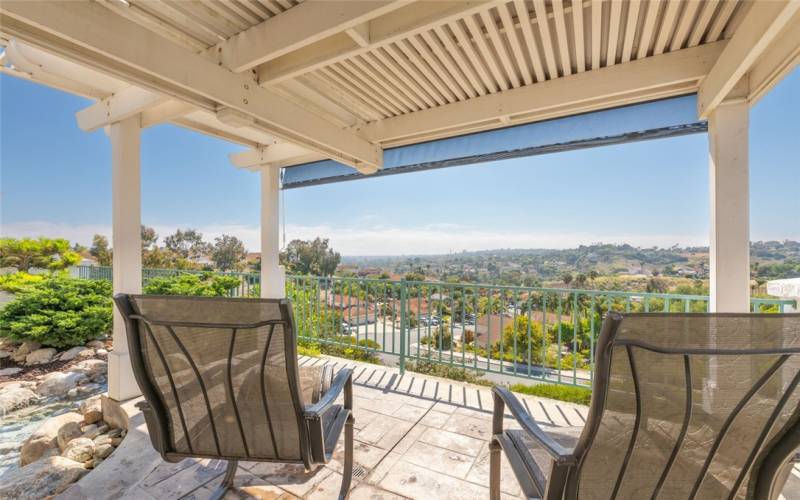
(228, 252)
(310, 257)
(45, 253)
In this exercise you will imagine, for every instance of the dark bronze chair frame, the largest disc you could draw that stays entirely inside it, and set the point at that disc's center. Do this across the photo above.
(769, 467)
(320, 424)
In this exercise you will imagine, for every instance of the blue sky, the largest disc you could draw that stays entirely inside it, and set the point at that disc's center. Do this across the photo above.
(55, 180)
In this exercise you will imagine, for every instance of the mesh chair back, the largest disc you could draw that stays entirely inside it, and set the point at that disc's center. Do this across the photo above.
(689, 405)
(223, 371)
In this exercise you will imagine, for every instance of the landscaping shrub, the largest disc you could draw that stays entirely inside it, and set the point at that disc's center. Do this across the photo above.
(205, 285)
(18, 282)
(58, 311)
(568, 393)
(447, 371)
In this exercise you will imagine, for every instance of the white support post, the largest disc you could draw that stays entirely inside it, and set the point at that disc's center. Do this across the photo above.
(730, 206)
(127, 246)
(273, 276)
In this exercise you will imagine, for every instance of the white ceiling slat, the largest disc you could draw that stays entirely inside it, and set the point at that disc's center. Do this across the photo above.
(721, 20)
(319, 84)
(198, 15)
(500, 47)
(335, 75)
(580, 43)
(543, 23)
(158, 25)
(613, 32)
(653, 7)
(362, 79)
(516, 46)
(274, 9)
(385, 56)
(684, 25)
(245, 13)
(258, 7)
(381, 80)
(163, 11)
(630, 30)
(465, 43)
(324, 105)
(421, 46)
(382, 64)
(426, 71)
(409, 68)
(222, 10)
(561, 33)
(453, 71)
(524, 18)
(462, 63)
(597, 31)
(703, 21)
(667, 28)
(486, 52)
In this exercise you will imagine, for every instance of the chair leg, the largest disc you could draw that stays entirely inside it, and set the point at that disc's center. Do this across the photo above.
(347, 473)
(494, 470)
(227, 481)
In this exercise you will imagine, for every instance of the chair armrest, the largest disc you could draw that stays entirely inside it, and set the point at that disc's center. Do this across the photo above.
(503, 397)
(343, 381)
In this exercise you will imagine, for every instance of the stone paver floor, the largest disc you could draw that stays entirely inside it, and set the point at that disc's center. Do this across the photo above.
(416, 437)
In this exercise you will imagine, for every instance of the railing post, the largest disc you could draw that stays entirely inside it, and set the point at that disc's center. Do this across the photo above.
(403, 325)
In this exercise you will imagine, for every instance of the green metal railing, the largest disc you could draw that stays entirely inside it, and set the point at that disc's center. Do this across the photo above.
(543, 334)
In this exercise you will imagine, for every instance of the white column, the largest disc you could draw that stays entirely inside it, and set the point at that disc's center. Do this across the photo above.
(273, 276)
(730, 207)
(127, 246)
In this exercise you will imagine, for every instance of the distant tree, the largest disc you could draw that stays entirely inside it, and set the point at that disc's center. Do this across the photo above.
(310, 257)
(78, 248)
(414, 276)
(580, 279)
(100, 250)
(593, 275)
(188, 243)
(45, 253)
(149, 237)
(567, 278)
(228, 252)
(657, 285)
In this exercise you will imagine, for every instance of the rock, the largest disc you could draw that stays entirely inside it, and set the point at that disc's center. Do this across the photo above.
(89, 429)
(90, 388)
(96, 462)
(73, 353)
(24, 349)
(96, 344)
(102, 439)
(7, 372)
(59, 383)
(116, 441)
(45, 437)
(101, 352)
(40, 356)
(72, 393)
(41, 479)
(79, 449)
(91, 410)
(103, 451)
(5, 354)
(115, 433)
(13, 398)
(67, 433)
(92, 368)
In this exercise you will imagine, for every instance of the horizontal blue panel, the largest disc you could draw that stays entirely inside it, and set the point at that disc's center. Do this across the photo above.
(651, 120)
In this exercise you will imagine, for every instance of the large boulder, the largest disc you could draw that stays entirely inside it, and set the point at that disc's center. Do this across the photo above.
(96, 344)
(41, 479)
(8, 372)
(40, 356)
(45, 437)
(75, 352)
(67, 433)
(91, 368)
(59, 383)
(25, 348)
(13, 398)
(91, 410)
(79, 449)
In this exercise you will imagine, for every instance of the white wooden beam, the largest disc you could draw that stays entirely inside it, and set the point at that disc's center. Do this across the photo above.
(360, 34)
(92, 35)
(298, 27)
(776, 62)
(127, 102)
(729, 252)
(673, 73)
(167, 111)
(267, 155)
(273, 276)
(758, 29)
(411, 20)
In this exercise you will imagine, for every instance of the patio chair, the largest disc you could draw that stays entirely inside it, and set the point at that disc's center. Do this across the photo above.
(683, 406)
(220, 379)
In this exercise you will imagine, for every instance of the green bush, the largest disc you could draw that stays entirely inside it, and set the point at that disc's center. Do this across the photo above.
(18, 282)
(447, 371)
(58, 311)
(205, 284)
(568, 393)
